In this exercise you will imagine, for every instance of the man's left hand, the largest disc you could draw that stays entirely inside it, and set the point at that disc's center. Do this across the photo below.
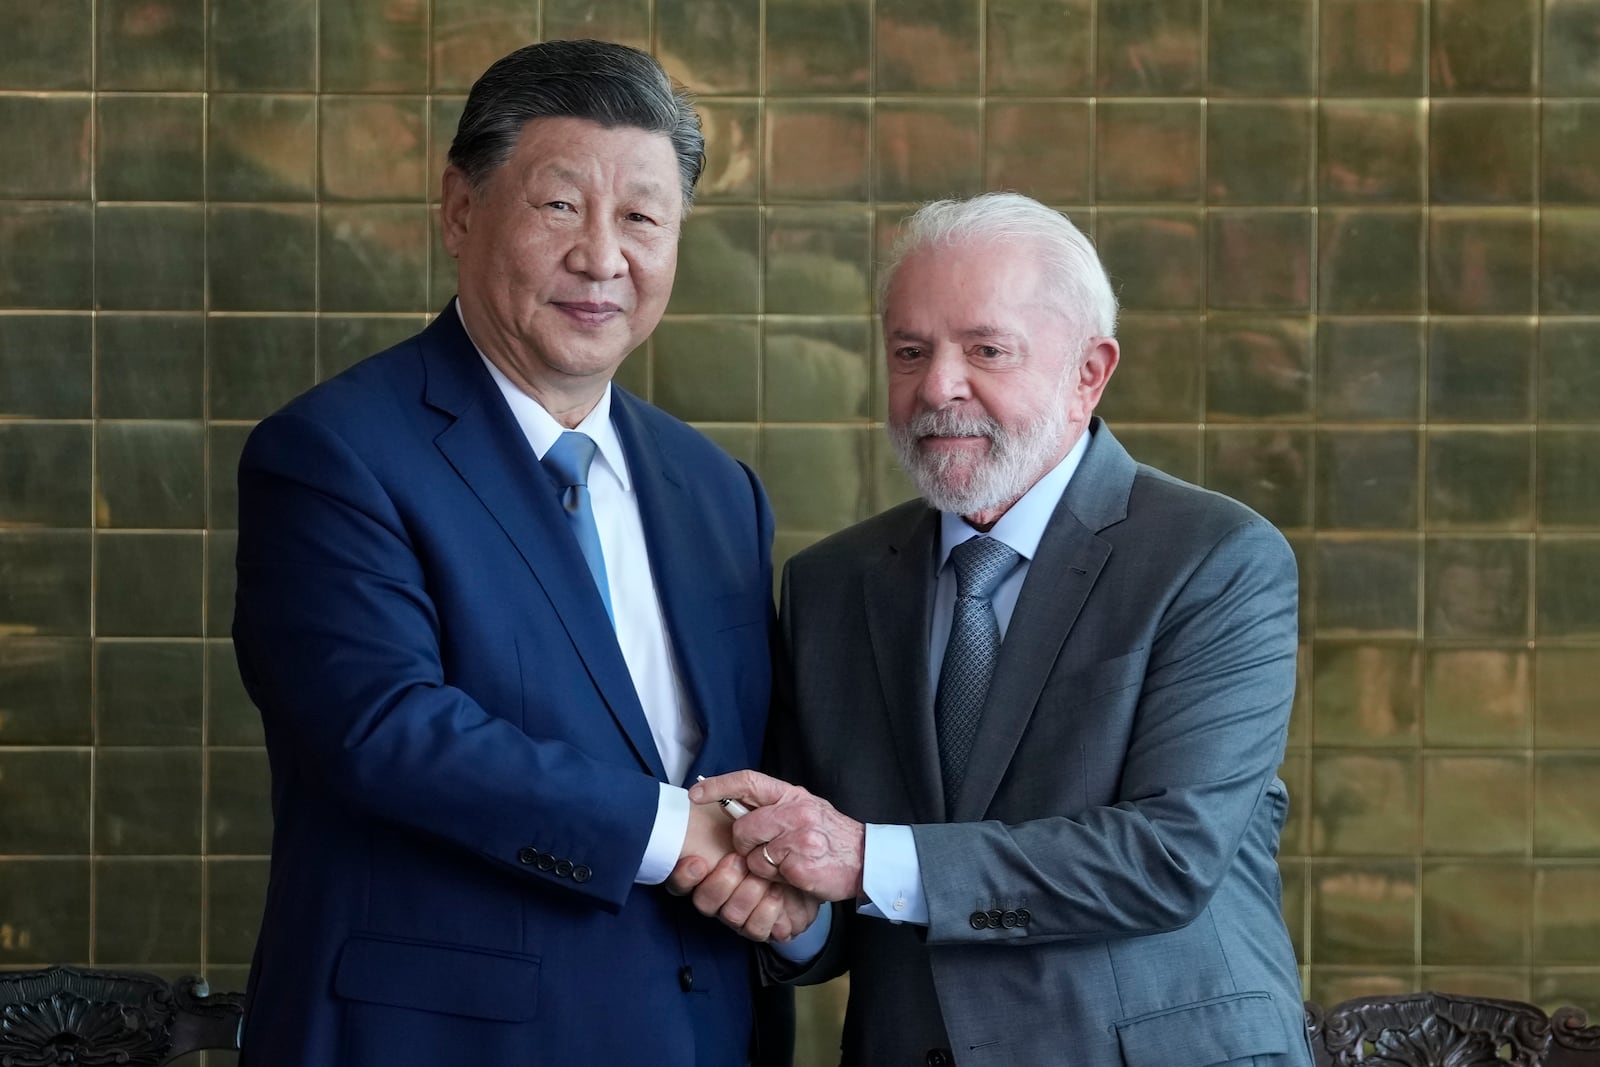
(792, 835)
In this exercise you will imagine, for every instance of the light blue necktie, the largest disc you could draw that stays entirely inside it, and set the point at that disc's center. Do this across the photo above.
(981, 564)
(568, 465)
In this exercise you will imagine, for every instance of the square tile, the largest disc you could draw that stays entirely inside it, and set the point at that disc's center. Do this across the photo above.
(1331, 984)
(1480, 261)
(45, 366)
(710, 47)
(1566, 909)
(469, 35)
(1258, 152)
(1566, 807)
(57, 132)
(1476, 912)
(733, 152)
(1569, 376)
(1158, 378)
(44, 582)
(148, 584)
(1367, 694)
(1365, 804)
(817, 150)
(373, 148)
(817, 369)
(373, 257)
(1156, 259)
(377, 46)
(44, 936)
(224, 445)
(1482, 151)
(46, 685)
(623, 21)
(1370, 260)
(1258, 368)
(1175, 450)
(49, 44)
(719, 263)
(1553, 987)
(147, 801)
(263, 46)
(1568, 492)
(1367, 479)
(150, 148)
(1266, 469)
(740, 442)
(924, 150)
(818, 48)
(1259, 47)
(927, 45)
(261, 147)
(1365, 585)
(342, 342)
(49, 477)
(1477, 587)
(147, 912)
(230, 717)
(48, 259)
(150, 257)
(150, 366)
(1373, 47)
(1477, 697)
(818, 261)
(1565, 704)
(1480, 370)
(1369, 369)
(242, 280)
(220, 579)
(45, 795)
(239, 815)
(258, 363)
(1567, 593)
(1149, 47)
(1039, 148)
(150, 44)
(1036, 46)
(707, 369)
(1148, 150)
(1371, 151)
(148, 692)
(1242, 242)
(815, 476)
(236, 893)
(1571, 66)
(1568, 153)
(1479, 479)
(151, 475)
(1484, 46)
(1569, 269)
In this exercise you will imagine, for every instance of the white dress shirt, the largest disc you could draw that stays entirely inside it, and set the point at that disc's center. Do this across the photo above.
(636, 606)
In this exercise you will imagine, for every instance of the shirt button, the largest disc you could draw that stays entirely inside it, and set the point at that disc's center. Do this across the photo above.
(899, 903)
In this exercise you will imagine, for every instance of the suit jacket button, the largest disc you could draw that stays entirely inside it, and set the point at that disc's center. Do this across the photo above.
(992, 920)
(563, 868)
(686, 978)
(526, 855)
(582, 873)
(979, 920)
(1008, 920)
(938, 1057)
(1024, 916)
(545, 862)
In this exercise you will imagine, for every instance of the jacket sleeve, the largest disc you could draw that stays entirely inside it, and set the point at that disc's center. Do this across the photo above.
(1208, 736)
(338, 643)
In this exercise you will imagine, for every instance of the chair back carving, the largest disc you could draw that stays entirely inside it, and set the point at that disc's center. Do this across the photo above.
(1445, 1030)
(90, 1018)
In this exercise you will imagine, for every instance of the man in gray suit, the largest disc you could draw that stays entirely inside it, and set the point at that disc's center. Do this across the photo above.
(1033, 722)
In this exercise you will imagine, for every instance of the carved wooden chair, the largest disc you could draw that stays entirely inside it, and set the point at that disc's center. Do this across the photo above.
(1445, 1030)
(89, 1018)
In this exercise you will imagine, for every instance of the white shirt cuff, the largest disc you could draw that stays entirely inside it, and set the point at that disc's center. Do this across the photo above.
(661, 852)
(891, 876)
(803, 948)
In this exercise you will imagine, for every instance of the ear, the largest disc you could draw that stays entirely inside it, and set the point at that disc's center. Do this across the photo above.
(456, 198)
(1099, 361)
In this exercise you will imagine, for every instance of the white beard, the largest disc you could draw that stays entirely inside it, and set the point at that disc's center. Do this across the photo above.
(1015, 460)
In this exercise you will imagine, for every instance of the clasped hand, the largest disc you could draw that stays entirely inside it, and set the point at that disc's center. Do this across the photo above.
(766, 874)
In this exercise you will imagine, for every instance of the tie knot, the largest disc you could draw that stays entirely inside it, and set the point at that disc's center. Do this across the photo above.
(981, 564)
(569, 458)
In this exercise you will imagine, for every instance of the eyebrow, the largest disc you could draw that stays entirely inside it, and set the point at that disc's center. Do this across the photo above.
(638, 187)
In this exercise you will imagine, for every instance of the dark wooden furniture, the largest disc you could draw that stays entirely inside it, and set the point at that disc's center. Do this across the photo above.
(90, 1018)
(1446, 1030)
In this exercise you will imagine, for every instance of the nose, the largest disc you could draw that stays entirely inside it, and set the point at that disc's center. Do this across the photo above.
(944, 379)
(597, 252)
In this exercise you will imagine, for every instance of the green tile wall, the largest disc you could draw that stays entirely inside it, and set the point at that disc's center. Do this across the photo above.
(1358, 243)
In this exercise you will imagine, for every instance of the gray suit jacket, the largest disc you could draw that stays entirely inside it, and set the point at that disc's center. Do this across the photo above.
(1106, 889)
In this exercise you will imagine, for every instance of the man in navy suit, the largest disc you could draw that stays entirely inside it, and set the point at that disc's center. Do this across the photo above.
(495, 613)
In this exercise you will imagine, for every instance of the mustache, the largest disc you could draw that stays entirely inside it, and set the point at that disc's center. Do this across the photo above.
(953, 422)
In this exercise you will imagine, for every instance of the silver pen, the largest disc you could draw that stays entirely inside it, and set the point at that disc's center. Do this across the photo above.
(730, 805)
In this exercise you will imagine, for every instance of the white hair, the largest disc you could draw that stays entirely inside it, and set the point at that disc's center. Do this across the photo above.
(1071, 265)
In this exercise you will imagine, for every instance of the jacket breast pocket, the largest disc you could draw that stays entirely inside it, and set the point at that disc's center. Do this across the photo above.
(1220, 1030)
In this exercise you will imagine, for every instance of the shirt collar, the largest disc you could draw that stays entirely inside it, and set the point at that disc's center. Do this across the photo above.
(1022, 526)
(541, 428)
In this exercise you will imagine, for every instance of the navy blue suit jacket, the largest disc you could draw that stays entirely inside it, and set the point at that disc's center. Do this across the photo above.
(463, 780)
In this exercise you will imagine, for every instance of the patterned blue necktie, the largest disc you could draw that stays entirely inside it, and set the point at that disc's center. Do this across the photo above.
(568, 465)
(981, 564)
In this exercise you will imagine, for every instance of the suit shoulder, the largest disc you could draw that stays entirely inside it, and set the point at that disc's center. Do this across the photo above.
(678, 437)
(1185, 509)
(368, 386)
(866, 540)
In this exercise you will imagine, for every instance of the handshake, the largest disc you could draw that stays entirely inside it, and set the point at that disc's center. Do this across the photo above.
(766, 873)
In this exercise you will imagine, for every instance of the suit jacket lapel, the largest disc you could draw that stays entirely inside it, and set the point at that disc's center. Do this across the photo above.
(490, 453)
(898, 604)
(1060, 577)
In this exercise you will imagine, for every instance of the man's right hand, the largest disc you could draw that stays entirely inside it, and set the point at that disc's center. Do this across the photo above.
(724, 888)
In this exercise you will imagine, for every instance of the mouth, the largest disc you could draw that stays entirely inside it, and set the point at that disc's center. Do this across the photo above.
(949, 442)
(588, 312)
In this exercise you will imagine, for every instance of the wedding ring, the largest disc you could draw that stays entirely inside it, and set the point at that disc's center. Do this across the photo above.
(768, 857)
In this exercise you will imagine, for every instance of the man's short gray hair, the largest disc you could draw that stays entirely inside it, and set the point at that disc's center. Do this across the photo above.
(609, 84)
(1073, 268)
